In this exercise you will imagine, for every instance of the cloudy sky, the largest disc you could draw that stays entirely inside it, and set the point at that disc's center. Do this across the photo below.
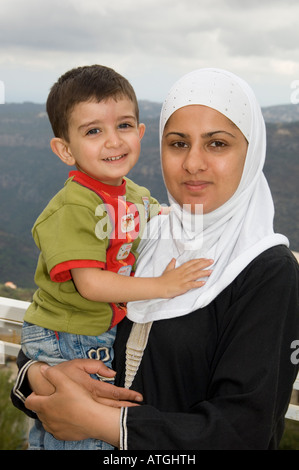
(151, 42)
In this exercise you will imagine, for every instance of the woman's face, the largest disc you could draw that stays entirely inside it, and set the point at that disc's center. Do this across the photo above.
(203, 155)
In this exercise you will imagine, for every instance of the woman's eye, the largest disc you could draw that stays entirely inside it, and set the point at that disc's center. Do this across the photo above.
(217, 144)
(180, 145)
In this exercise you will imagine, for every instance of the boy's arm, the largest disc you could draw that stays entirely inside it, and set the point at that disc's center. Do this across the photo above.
(105, 286)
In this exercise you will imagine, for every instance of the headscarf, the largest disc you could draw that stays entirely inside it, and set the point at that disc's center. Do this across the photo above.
(232, 235)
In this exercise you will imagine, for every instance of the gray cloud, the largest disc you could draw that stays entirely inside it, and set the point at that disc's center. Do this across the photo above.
(48, 25)
(162, 27)
(149, 39)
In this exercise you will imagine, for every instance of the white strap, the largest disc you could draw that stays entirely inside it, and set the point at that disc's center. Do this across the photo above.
(134, 351)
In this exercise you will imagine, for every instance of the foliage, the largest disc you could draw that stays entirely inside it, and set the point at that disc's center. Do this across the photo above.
(290, 438)
(13, 423)
(18, 293)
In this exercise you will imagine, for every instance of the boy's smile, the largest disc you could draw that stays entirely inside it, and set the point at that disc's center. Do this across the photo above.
(104, 139)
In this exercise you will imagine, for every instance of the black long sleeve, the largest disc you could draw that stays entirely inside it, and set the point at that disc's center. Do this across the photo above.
(21, 389)
(221, 377)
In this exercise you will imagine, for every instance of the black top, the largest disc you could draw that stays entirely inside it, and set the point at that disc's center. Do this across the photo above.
(220, 377)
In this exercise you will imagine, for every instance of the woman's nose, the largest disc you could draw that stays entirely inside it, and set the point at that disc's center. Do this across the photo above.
(195, 161)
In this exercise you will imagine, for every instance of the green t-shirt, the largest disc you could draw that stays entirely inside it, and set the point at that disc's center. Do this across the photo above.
(87, 224)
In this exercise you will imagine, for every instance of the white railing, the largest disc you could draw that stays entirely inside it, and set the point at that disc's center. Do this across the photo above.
(11, 319)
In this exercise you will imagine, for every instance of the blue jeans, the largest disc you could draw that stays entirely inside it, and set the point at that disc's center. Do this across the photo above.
(53, 347)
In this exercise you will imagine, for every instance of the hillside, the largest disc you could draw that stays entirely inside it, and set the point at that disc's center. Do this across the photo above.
(30, 175)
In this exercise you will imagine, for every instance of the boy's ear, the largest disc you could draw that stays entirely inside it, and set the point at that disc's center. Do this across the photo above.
(61, 148)
(141, 130)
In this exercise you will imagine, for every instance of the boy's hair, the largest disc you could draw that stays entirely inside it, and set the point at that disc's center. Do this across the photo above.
(88, 83)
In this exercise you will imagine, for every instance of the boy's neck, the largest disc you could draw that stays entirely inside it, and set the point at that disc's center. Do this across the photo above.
(97, 185)
(102, 182)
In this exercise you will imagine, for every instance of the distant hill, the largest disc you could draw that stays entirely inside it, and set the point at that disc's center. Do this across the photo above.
(282, 113)
(30, 174)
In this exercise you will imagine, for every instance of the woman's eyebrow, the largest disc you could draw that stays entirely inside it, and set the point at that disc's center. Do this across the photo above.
(204, 136)
(210, 134)
(179, 134)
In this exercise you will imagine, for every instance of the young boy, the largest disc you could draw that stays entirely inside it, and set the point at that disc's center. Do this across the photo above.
(89, 232)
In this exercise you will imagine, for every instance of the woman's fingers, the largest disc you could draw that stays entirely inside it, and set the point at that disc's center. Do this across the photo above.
(114, 403)
(60, 412)
(106, 390)
(79, 371)
(57, 379)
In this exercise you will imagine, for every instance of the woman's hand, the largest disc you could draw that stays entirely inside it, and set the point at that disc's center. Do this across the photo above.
(79, 371)
(71, 413)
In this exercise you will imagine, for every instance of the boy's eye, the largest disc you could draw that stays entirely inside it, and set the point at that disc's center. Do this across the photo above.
(93, 131)
(125, 125)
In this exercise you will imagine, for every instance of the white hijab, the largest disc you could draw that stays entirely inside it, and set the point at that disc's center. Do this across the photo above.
(233, 234)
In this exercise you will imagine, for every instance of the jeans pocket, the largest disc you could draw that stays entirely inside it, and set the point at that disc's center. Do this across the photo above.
(40, 344)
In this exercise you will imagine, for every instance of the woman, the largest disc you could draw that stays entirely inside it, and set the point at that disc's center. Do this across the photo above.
(213, 365)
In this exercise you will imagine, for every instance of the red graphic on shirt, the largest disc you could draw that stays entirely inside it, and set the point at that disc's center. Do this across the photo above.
(122, 218)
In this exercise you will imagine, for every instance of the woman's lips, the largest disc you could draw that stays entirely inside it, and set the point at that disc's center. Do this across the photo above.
(196, 185)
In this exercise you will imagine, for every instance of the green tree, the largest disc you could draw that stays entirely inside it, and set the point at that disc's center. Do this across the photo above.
(13, 423)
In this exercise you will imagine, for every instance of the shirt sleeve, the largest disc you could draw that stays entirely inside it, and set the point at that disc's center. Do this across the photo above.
(62, 272)
(251, 374)
(70, 234)
(155, 208)
(21, 389)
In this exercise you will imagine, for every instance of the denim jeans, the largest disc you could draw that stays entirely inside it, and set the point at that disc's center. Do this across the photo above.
(52, 347)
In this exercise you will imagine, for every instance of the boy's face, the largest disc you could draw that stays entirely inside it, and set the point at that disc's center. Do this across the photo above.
(104, 139)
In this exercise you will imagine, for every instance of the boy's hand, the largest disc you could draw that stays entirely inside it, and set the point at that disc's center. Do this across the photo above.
(176, 281)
